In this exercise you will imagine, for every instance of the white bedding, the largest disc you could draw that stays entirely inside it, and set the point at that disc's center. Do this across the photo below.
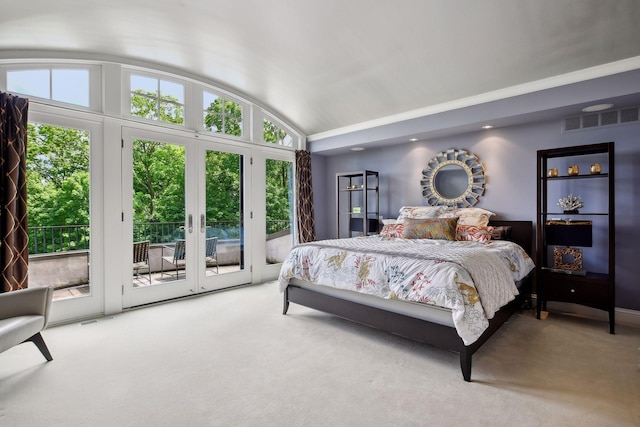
(472, 279)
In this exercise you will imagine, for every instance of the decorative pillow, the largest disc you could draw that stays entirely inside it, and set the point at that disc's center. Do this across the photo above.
(432, 228)
(473, 216)
(472, 233)
(392, 230)
(420, 212)
(502, 232)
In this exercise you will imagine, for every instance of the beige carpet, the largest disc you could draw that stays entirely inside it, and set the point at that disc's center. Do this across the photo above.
(232, 359)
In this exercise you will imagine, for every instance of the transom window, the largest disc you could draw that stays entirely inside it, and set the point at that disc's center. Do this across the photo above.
(57, 84)
(156, 99)
(221, 115)
(275, 134)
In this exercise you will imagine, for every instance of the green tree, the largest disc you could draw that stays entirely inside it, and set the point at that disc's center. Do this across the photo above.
(278, 185)
(57, 175)
(224, 116)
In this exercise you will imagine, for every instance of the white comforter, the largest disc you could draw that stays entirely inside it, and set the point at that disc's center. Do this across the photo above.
(472, 279)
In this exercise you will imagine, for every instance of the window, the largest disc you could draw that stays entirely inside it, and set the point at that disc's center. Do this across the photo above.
(70, 86)
(274, 134)
(221, 115)
(156, 99)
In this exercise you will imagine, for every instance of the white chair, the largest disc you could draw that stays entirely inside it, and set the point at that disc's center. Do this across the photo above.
(23, 314)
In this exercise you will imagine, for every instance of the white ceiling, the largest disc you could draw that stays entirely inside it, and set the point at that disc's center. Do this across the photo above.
(328, 66)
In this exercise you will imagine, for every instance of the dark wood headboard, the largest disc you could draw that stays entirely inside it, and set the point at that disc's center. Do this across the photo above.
(521, 233)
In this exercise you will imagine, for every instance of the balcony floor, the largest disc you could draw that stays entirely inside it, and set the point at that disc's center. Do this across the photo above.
(138, 281)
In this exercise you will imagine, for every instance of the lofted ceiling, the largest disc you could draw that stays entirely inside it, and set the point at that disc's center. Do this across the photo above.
(331, 66)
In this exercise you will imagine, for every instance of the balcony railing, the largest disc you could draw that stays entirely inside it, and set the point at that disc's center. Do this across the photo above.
(65, 238)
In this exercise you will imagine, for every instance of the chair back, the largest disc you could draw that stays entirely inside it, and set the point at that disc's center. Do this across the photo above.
(179, 251)
(141, 252)
(211, 247)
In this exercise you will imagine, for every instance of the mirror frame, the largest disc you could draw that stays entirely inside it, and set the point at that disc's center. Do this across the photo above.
(469, 163)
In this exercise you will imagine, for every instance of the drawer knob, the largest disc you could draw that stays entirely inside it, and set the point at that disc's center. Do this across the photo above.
(573, 291)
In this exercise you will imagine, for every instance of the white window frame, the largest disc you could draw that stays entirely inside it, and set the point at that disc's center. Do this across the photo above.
(126, 97)
(95, 82)
(296, 139)
(246, 112)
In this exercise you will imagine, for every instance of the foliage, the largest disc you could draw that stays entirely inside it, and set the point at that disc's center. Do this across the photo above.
(58, 163)
(272, 133)
(57, 175)
(224, 116)
(279, 180)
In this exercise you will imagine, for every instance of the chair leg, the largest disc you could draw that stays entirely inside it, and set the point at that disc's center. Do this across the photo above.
(39, 342)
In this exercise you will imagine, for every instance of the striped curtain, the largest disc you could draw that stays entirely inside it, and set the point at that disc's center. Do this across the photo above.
(304, 207)
(14, 241)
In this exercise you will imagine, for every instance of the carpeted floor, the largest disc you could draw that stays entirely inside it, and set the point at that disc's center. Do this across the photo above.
(232, 359)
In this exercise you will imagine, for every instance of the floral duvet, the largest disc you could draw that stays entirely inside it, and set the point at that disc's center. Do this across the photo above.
(472, 279)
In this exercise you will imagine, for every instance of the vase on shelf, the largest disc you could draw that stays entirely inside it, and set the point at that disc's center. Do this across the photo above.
(571, 211)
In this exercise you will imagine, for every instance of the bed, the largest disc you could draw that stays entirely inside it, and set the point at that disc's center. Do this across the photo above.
(406, 308)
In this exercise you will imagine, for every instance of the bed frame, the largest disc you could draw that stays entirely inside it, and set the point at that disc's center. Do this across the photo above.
(440, 336)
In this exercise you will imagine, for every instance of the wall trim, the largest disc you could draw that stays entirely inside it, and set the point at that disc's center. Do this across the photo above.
(590, 73)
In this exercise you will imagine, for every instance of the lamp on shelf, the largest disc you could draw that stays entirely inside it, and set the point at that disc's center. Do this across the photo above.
(564, 235)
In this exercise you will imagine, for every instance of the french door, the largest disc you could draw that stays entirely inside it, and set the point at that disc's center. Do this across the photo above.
(64, 169)
(184, 216)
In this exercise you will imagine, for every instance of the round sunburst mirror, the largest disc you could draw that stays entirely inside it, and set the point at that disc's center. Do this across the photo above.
(453, 178)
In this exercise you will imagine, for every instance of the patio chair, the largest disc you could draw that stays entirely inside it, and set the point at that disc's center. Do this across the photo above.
(178, 257)
(23, 314)
(141, 258)
(211, 252)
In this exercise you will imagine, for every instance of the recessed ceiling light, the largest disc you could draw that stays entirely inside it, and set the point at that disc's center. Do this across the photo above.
(413, 139)
(487, 127)
(597, 107)
(357, 148)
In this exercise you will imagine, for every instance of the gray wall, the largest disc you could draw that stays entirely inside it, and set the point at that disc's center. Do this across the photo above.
(509, 158)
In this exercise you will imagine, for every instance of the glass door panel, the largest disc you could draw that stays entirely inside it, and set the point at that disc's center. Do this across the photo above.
(159, 224)
(158, 212)
(224, 255)
(62, 167)
(279, 209)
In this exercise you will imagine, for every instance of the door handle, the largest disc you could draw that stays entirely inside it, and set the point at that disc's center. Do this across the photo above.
(203, 228)
(190, 223)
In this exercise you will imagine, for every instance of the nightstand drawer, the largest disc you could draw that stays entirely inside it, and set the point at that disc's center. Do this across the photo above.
(592, 294)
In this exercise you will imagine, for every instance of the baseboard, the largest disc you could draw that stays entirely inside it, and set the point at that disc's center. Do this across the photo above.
(624, 316)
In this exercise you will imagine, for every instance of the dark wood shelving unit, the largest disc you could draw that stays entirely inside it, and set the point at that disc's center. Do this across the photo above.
(356, 201)
(594, 289)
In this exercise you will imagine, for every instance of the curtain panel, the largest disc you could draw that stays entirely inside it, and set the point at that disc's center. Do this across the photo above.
(14, 241)
(304, 206)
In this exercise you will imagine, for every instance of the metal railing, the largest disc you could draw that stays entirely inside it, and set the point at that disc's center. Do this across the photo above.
(65, 238)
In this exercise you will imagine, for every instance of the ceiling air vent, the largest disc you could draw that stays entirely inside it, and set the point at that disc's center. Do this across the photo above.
(606, 118)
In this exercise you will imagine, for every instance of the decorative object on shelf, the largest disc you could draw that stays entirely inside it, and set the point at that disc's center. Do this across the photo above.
(571, 204)
(356, 209)
(453, 178)
(553, 172)
(568, 233)
(573, 170)
(595, 169)
(569, 259)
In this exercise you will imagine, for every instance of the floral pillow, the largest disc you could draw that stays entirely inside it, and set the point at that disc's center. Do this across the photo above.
(473, 216)
(421, 212)
(432, 228)
(473, 233)
(392, 230)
